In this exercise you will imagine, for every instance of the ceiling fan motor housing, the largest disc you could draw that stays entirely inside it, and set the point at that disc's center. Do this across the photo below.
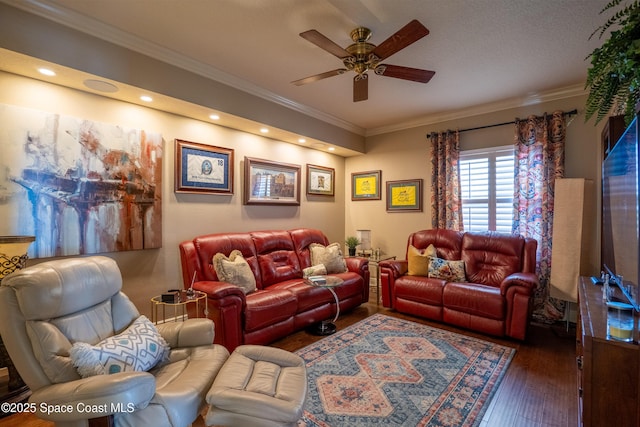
(361, 60)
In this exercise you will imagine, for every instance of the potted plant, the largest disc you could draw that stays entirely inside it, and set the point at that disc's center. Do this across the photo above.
(351, 243)
(614, 76)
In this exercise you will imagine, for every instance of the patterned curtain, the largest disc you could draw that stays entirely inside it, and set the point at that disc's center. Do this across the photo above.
(446, 200)
(539, 154)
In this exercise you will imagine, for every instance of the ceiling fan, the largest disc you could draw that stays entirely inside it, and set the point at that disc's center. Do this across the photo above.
(362, 56)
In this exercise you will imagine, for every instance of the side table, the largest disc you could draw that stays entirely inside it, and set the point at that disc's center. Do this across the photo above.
(327, 327)
(180, 306)
(375, 261)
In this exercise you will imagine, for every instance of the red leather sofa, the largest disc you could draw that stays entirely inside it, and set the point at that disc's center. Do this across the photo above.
(283, 302)
(496, 298)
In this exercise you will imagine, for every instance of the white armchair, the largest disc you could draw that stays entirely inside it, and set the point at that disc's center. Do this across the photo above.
(46, 308)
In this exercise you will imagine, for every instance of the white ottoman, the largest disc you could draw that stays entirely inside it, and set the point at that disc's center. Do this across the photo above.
(258, 386)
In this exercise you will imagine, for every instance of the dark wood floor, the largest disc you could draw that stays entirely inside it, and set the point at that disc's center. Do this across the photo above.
(538, 390)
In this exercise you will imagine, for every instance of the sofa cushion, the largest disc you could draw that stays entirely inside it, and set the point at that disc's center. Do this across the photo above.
(278, 266)
(331, 256)
(314, 270)
(277, 258)
(207, 246)
(451, 271)
(448, 243)
(491, 256)
(307, 296)
(302, 238)
(475, 299)
(352, 286)
(421, 289)
(140, 347)
(418, 260)
(235, 270)
(268, 307)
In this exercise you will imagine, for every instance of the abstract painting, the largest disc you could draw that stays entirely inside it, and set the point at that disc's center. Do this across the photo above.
(78, 186)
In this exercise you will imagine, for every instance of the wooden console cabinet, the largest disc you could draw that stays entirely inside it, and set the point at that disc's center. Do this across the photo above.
(608, 370)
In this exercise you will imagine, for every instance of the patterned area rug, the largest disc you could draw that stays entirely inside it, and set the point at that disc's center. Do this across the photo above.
(392, 372)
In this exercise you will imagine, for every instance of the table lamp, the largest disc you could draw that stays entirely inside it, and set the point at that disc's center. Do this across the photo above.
(13, 253)
(365, 241)
(13, 256)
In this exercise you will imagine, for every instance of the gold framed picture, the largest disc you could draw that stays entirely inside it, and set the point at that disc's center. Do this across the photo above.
(366, 185)
(404, 195)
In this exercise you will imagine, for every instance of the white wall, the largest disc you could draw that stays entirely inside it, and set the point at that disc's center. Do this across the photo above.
(149, 272)
(405, 155)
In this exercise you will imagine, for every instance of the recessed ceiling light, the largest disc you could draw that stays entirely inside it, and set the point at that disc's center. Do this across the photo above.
(331, 149)
(302, 140)
(100, 85)
(264, 130)
(46, 72)
(146, 98)
(214, 117)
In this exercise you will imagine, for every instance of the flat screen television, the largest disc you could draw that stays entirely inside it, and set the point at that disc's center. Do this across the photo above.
(620, 215)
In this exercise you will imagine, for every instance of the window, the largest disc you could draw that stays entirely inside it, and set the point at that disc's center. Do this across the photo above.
(262, 187)
(486, 178)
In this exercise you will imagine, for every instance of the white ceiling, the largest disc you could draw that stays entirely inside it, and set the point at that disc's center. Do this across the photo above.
(492, 53)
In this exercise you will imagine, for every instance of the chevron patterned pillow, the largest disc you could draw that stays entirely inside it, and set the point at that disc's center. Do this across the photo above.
(138, 348)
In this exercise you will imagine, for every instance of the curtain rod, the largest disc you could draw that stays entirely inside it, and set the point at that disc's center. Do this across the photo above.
(568, 113)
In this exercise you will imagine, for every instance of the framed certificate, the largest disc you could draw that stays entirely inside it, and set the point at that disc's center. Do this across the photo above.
(320, 180)
(202, 168)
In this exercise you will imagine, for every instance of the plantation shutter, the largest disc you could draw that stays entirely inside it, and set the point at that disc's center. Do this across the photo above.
(486, 179)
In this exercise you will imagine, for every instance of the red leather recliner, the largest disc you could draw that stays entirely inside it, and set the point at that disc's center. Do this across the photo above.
(283, 302)
(496, 299)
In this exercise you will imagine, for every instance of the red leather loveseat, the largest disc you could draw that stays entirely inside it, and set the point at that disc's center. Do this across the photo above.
(283, 302)
(496, 296)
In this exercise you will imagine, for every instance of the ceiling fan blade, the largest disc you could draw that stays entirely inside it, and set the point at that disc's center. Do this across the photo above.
(360, 87)
(320, 76)
(324, 43)
(406, 35)
(405, 73)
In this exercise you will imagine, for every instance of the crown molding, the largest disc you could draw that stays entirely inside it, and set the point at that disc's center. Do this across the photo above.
(532, 99)
(82, 23)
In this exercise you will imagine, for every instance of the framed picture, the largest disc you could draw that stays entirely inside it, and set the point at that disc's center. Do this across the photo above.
(404, 196)
(271, 183)
(365, 185)
(202, 168)
(320, 180)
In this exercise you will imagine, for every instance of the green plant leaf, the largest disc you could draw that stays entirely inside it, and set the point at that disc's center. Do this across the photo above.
(613, 79)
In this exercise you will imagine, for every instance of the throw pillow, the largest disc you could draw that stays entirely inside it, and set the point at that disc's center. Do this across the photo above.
(419, 260)
(138, 348)
(331, 256)
(451, 271)
(314, 270)
(235, 270)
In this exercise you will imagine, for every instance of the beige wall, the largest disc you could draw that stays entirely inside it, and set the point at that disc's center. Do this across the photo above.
(405, 155)
(149, 272)
(400, 155)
